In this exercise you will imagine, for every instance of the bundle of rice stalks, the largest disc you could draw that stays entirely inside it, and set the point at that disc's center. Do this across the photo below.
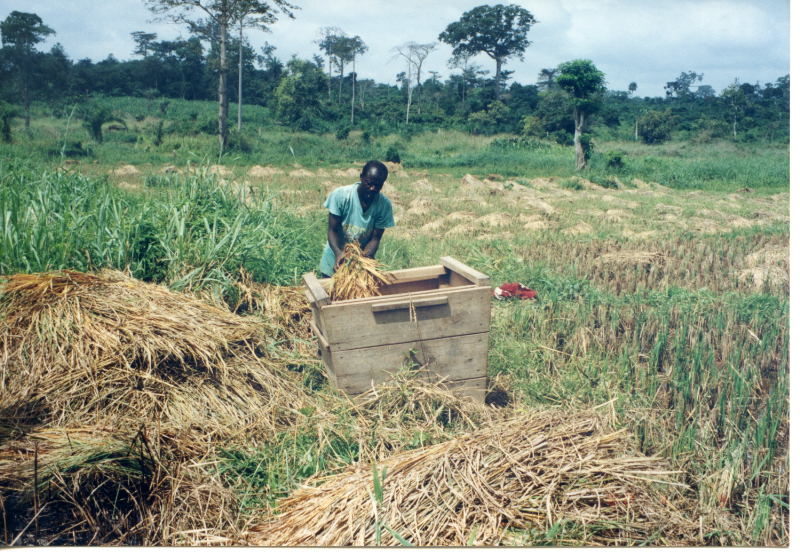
(357, 277)
(284, 306)
(531, 473)
(77, 347)
(632, 258)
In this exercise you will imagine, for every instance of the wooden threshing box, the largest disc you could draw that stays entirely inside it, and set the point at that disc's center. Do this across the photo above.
(436, 315)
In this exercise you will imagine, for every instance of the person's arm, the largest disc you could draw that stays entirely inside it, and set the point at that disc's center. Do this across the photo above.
(372, 246)
(334, 237)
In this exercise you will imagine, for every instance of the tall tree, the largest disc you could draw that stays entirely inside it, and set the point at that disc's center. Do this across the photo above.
(326, 39)
(582, 81)
(415, 53)
(20, 33)
(681, 87)
(143, 42)
(735, 99)
(356, 46)
(499, 31)
(223, 13)
(547, 79)
(469, 73)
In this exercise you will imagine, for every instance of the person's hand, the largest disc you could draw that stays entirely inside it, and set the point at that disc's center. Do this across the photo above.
(339, 259)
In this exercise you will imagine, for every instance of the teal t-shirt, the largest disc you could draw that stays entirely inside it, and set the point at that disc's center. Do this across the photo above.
(357, 225)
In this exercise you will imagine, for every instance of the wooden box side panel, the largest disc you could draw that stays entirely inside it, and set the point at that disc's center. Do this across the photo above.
(354, 326)
(455, 358)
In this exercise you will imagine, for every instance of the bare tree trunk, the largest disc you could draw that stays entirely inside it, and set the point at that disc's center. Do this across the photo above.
(636, 132)
(341, 80)
(580, 124)
(223, 83)
(353, 95)
(499, 61)
(330, 65)
(239, 127)
(410, 90)
(419, 89)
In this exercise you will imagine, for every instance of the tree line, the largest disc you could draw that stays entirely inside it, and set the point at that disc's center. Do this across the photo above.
(569, 104)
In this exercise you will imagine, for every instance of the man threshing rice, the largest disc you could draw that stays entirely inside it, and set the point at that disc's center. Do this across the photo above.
(357, 213)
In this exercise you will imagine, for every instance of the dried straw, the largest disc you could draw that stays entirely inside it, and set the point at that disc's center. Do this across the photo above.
(526, 473)
(357, 276)
(77, 347)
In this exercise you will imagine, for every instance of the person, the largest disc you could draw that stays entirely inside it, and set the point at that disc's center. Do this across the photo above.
(357, 212)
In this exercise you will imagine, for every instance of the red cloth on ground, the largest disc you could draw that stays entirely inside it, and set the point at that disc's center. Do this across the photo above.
(514, 290)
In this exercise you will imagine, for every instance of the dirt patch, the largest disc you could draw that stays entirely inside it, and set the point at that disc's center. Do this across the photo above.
(434, 226)
(471, 199)
(470, 184)
(536, 225)
(302, 173)
(349, 173)
(647, 234)
(617, 215)
(264, 172)
(219, 170)
(127, 186)
(662, 208)
(126, 170)
(422, 185)
(495, 219)
(461, 229)
(461, 216)
(619, 202)
(580, 229)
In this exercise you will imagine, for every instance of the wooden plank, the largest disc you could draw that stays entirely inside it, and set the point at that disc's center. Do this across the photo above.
(315, 312)
(474, 388)
(456, 358)
(470, 274)
(409, 287)
(325, 354)
(398, 296)
(414, 274)
(353, 326)
(318, 294)
(406, 304)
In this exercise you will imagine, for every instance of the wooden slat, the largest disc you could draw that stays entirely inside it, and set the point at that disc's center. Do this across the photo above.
(473, 388)
(413, 274)
(318, 294)
(393, 297)
(410, 287)
(405, 304)
(470, 274)
(455, 358)
(353, 326)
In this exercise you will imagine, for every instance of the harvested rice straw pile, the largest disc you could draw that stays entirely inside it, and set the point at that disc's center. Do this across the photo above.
(78, 347)
(524, 473)
(357, 277)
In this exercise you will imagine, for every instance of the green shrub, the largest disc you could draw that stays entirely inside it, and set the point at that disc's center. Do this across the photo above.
(238, 142)
(343, 132)
(614, 160)
(656, 126)
(392, 154)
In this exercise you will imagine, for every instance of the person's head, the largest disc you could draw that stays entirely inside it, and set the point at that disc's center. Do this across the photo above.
(373, 175)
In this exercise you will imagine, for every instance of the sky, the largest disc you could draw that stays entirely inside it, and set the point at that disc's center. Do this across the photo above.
(648, 42)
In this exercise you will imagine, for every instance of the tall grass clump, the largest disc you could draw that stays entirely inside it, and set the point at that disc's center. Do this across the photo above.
(192, 228)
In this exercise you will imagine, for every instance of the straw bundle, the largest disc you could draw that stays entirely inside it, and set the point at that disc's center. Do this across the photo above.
(357, 277)
(525, 473)
(76, 347)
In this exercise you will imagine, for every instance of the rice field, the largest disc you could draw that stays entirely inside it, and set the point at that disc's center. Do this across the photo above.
(167, 389)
